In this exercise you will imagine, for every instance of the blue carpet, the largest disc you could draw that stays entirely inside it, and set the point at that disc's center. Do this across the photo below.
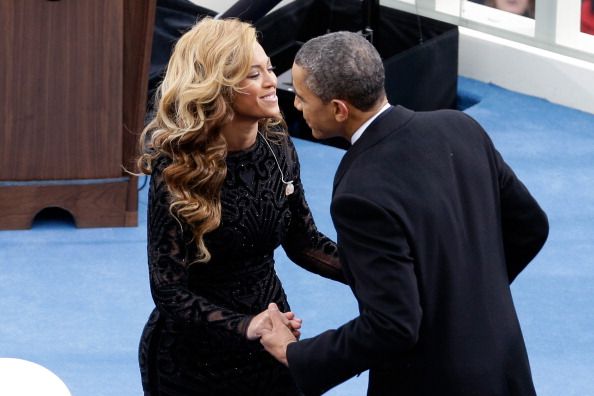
(75, 300)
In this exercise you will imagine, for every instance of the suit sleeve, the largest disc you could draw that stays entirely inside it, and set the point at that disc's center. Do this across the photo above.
(373, 247)
(525, 225)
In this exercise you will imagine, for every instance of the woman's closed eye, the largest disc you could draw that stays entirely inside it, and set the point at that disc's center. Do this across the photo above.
(255, 75)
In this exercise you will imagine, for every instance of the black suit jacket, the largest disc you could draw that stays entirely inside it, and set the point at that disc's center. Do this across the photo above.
(432, 228)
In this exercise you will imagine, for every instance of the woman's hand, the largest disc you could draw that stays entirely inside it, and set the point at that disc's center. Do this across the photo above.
(276, 340)
(262, 321)
(294, 323)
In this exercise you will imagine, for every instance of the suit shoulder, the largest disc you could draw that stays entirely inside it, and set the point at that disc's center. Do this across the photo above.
(442, 115)
(452, 121)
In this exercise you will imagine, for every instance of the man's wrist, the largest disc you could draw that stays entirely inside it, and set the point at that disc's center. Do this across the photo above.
(286, 348)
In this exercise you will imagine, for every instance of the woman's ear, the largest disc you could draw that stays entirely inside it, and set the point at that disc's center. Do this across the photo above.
(341, 110)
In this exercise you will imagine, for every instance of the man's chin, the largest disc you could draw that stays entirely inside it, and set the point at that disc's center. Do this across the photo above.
(321, 135)
(316, 135)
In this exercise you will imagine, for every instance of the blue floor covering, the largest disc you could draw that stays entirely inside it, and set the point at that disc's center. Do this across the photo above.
(75, 300)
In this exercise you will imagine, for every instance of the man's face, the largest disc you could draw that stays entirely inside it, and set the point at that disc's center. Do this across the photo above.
(318, 115)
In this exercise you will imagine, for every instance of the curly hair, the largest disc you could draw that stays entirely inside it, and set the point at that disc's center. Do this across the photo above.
(360, 77)
(194, 99)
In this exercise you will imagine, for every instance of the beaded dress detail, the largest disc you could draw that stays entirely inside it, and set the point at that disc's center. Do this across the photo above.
(194, 341)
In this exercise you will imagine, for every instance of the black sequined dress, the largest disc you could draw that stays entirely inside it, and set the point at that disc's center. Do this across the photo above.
(194, 341)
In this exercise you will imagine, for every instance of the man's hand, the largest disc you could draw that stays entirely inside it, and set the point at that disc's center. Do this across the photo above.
(262, 321)
(276, 338)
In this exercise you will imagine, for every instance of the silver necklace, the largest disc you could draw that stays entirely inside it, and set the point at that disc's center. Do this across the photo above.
(289, 187)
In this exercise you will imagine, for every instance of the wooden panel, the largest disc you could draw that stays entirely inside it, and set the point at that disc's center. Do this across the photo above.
(61, 89)
(139, 20)
(73, 82)
(91, 205)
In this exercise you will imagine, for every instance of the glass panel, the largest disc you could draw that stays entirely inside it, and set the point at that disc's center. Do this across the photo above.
(587, 23)
(519, 7)
(452, 7)
(506, 24)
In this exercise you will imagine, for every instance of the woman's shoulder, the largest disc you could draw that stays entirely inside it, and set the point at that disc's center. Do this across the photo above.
(157, 166)
(286, 146)
(291, 157)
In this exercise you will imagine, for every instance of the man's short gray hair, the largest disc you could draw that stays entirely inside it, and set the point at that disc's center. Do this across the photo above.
(343, 65)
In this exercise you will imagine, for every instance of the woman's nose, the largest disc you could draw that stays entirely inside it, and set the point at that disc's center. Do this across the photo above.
(270, 79)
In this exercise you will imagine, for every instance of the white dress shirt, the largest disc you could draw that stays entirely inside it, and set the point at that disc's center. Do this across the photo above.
(363, 127)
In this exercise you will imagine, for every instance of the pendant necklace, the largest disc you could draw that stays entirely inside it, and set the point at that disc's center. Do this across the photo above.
(289, 187)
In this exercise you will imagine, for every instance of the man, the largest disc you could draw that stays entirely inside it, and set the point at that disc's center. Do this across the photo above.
(432, 228)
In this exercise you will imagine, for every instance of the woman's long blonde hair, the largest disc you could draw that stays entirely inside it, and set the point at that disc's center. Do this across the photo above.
(194, 100)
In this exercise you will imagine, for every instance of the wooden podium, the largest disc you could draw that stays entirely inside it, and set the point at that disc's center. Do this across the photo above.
(72, 97)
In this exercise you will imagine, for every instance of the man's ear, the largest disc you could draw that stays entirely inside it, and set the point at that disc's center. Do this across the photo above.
(341, 110)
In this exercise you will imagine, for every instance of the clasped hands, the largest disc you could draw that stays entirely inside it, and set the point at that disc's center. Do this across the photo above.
(275, 330)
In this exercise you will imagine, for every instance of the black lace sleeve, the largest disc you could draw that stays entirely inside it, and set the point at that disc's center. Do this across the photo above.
(168, 268)
(304, 244)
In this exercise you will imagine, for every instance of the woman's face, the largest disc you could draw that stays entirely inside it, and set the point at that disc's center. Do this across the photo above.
(257, 98)
(515, 6)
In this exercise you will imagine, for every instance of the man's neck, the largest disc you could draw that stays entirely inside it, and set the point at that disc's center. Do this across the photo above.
(358, 117)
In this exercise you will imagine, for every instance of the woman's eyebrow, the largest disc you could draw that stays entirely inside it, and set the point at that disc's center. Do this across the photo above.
(259, 65)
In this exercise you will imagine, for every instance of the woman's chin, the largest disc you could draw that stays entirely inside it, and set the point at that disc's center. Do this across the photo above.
(273, 113)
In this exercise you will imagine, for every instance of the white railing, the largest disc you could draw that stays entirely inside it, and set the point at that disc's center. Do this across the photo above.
(547, 56)
(556, 26)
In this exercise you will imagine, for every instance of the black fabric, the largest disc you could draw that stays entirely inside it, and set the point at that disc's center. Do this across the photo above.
(172, 19)
(425, 77)
(194, 342)
(432, 228)
(249, 10)
(420, 54)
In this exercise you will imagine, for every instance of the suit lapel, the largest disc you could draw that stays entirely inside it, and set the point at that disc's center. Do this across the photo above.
(385, 124)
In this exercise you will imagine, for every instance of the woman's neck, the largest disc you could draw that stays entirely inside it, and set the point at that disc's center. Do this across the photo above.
(240, 136)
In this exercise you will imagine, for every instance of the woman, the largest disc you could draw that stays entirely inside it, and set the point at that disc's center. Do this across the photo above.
(225, 192)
